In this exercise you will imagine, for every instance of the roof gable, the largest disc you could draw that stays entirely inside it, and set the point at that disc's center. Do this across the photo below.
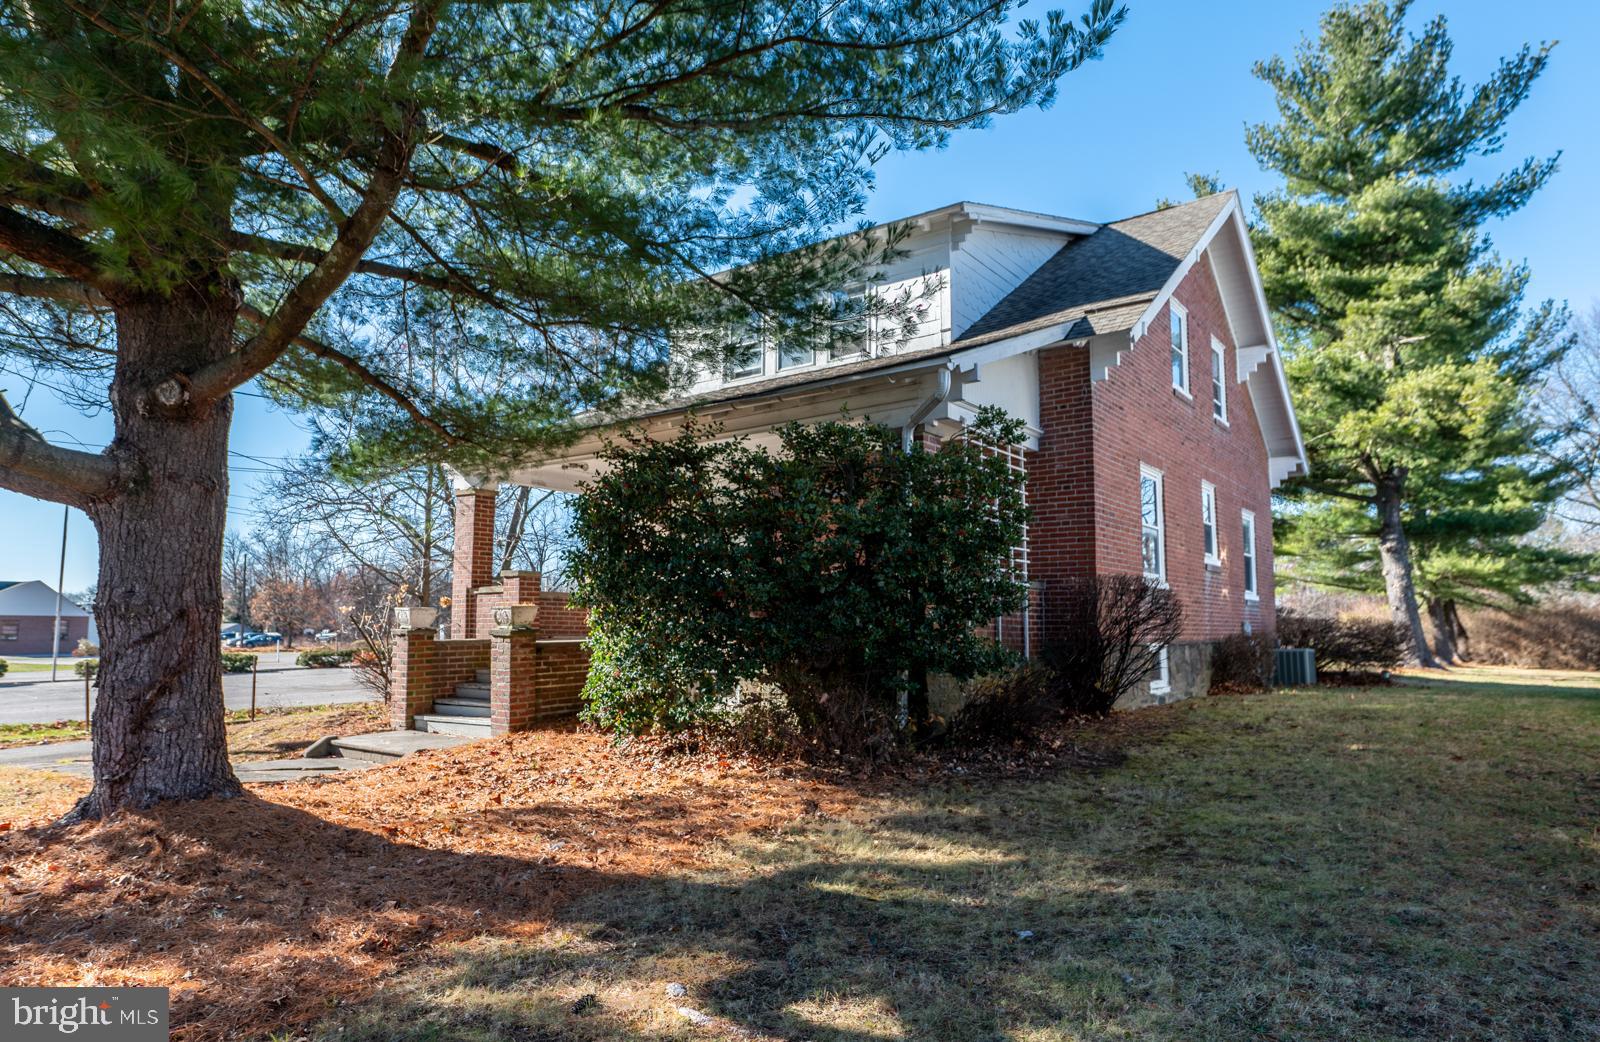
(32, 597)
(1125, 259)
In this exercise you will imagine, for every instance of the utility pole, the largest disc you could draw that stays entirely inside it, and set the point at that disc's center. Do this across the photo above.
(61, 578)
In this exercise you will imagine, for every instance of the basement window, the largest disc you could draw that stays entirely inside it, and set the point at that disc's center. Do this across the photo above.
(1161, 678)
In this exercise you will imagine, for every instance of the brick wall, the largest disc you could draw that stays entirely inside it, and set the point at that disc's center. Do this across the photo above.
(561, 668)
(557, 618)
(1083, 482)
(33, 634)
(1139, 419)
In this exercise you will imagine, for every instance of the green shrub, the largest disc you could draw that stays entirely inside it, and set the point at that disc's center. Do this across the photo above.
(833, 569)
(4, 665)
(324, 659)
(86, 667)
(237, 662)
(1015, 703)
(1343, 644)
(1242, 662)
(1114, 627)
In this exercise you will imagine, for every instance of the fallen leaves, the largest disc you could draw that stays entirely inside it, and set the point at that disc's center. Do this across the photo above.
(259, 911)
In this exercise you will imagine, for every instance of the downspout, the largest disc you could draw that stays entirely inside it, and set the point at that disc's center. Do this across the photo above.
(908, 432)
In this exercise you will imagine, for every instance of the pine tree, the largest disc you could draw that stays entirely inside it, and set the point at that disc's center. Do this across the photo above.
(1403, 335)
(197, 195)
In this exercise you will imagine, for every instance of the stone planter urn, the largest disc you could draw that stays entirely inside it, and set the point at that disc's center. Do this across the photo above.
(516, 617)
(415, 618)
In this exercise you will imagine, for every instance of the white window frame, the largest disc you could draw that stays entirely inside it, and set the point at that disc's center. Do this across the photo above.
(1161, 683)
(1209, 530)
(1219, 381)
(10, 630)
(862, 292)
(1160, 526)
(1178, 321)
(1252, 573)
(757, 337)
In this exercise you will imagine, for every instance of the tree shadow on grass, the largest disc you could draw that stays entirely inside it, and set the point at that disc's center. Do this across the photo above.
(1156, 903)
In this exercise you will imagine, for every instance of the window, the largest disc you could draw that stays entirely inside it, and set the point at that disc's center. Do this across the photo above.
(1153, 524)
(1180, 347)
(8, 631)
(1208, 522)
(793, 355)
(1219, 383)
(1250, 591)
(746, 356)
(849, 335)
(1161, 678)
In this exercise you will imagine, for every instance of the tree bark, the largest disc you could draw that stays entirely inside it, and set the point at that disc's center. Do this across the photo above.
(158, 722)
(1444, 631)
(1394, 552)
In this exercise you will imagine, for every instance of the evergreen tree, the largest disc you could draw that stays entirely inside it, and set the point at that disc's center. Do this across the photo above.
(195, 195)
(1403, 334)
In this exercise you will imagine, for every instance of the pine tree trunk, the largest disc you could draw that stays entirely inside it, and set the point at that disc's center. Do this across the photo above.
(1394, 553)
(158, 721)
(1444, 631)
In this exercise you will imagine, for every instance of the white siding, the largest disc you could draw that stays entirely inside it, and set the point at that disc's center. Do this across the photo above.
(989, 262)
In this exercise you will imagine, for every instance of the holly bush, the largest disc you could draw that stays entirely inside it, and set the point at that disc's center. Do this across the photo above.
(839, 569)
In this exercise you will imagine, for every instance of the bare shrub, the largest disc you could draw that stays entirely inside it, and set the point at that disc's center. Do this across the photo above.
(1557, 636)
(1115, 627)
(1242, 662)
(1017, 703)
(1344, 644)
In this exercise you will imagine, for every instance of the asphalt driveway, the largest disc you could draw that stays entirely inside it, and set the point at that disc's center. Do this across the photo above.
(31, 698)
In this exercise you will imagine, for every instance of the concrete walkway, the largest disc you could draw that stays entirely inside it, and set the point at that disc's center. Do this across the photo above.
(355, 753)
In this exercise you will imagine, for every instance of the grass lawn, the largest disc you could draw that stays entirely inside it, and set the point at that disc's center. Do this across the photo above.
(64, 667)
(1413, 862)
(1401, 863)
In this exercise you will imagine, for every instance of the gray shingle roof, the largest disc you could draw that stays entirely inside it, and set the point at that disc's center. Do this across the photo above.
(1102, 273)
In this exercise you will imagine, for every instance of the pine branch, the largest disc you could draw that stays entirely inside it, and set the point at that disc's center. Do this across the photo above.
(65, 291)
(49, 248)
(32, 466)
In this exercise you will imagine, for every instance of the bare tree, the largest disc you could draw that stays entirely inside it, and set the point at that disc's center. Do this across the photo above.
(1570, 407)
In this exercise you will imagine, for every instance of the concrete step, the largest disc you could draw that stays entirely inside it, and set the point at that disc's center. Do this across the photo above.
(483, 677)
(465, 726)
(460, 707)
(476, 692)
(384, 746)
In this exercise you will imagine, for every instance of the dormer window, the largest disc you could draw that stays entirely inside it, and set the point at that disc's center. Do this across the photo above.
(849, 336)
(796, 354)
(747, 356)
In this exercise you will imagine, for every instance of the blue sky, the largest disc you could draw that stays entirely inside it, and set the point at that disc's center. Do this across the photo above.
(1173, 94)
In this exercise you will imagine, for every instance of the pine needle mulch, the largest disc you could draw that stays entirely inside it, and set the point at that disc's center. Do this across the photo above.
(264, 912)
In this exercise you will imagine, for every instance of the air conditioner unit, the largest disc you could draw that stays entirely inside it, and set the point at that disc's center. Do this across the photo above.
(1294, 667)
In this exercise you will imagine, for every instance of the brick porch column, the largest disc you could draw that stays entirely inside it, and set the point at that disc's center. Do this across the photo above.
(512, 658)
(411, 666)
(520, 587)
(472, 564)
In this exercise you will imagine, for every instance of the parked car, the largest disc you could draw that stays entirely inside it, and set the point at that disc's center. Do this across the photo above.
(326, 637)
(262, 640)
(236, 640)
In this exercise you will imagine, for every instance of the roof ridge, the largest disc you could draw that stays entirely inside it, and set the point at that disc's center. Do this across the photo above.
(1169, 209)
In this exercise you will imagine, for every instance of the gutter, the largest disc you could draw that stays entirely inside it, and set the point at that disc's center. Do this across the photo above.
(908, 431)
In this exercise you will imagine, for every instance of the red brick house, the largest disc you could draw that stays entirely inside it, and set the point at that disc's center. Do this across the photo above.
(1140, 355)
(27, 613)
